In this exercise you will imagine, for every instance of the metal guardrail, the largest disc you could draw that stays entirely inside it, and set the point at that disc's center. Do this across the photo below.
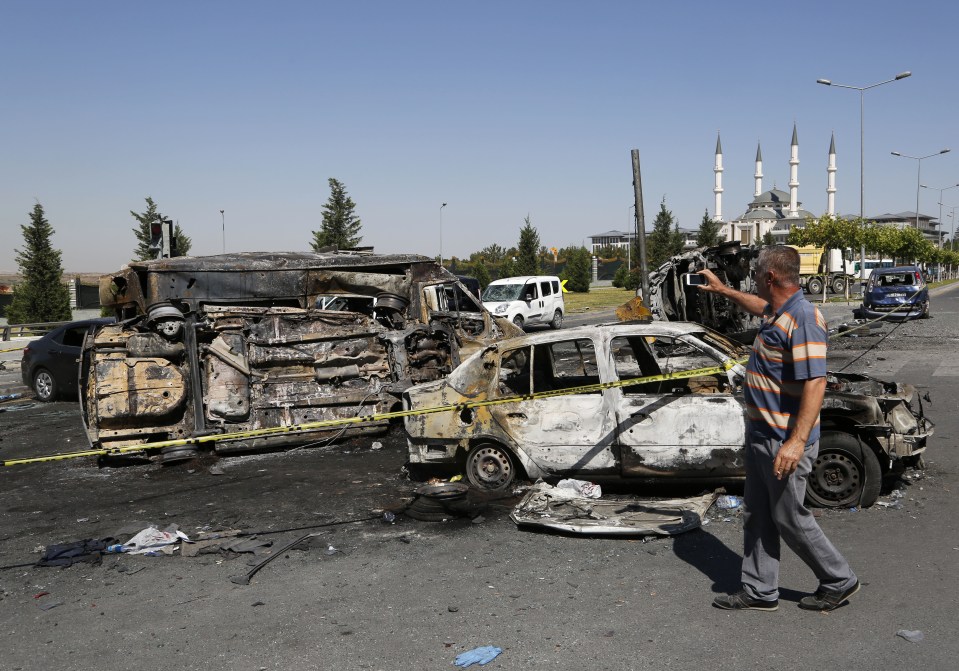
(8, 331)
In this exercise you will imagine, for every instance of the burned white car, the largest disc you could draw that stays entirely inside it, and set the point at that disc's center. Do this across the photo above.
(239, 344)
(564, 404)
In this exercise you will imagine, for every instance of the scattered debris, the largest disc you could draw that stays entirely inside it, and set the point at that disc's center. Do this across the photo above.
(562, 510)
(913, 636)
(152, 542)
(67, 554)
(482, 655)
(590, 490)
(728, 502)
(245, 579)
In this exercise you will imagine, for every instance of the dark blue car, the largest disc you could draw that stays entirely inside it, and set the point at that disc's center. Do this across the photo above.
(896, 293)
(51, 364)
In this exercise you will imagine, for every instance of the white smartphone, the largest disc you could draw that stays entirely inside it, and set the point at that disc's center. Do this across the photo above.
(694, 279)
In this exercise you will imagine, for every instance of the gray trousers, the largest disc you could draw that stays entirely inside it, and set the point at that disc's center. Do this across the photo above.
(774, 510)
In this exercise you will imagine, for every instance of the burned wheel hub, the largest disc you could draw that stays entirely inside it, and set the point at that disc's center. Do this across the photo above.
(489, 467)
(836, 478)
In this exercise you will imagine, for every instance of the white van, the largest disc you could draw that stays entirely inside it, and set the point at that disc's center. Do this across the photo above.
(536, 299)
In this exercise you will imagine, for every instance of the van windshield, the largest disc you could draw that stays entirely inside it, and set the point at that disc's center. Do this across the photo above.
(502, 292)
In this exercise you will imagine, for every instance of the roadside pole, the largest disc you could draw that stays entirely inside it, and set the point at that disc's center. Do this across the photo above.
(640, 226)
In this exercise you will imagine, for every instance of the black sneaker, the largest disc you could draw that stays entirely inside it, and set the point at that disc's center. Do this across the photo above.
(742, 601)
(823, 600)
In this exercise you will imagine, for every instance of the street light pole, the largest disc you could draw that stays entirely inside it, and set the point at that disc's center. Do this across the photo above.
(945, 188)
(223, 222)
(861, 89)
(918, 160)
(441, 233)
(952, 234)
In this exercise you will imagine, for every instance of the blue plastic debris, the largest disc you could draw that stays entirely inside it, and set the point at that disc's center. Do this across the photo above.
(481, 655)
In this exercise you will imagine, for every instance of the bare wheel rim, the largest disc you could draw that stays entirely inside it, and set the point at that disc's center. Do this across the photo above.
(836, 479)
(490, 467)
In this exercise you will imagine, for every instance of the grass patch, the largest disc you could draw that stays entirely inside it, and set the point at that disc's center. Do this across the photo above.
(598, 297)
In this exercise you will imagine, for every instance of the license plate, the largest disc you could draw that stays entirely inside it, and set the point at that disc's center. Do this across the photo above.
(896, 295)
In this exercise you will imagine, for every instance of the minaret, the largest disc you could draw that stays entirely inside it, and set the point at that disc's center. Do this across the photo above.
(831, 179)
(718, 189)
(794, 175)
(759, 170)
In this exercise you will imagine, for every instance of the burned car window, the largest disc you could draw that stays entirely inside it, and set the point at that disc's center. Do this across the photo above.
(564, 365)
(514, 372)
(676, 355)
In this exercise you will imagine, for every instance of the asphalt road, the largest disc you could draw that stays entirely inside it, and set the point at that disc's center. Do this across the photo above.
(369, 594)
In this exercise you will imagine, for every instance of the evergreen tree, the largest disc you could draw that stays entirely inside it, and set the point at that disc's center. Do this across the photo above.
(507, 268)
(527, 258)
(340, 226)
(180, 245)
(481, 274)
(578, 271)
(41, 296)
(665, 241)
(708, 235)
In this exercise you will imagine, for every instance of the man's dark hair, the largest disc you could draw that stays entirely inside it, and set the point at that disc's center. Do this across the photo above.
(784, 261)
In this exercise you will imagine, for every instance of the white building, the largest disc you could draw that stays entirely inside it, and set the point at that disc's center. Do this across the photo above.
(773, 211)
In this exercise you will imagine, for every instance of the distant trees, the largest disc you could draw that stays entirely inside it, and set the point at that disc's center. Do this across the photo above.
(41, 296)
(708, 235)
(341, 226)
(143, 252)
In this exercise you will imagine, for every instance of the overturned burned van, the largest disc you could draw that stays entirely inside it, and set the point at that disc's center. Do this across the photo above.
(238, 344)
(670, 299)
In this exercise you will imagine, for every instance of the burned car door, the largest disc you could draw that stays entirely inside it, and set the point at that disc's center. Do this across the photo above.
(567, 433)
(684, 428)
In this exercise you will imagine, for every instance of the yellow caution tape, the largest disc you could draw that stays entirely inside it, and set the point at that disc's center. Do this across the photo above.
(12, 349)
(379, 417)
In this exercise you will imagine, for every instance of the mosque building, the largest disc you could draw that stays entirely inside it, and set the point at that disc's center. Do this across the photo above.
(771, 212)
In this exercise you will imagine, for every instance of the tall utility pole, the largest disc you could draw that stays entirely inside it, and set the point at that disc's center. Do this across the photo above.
(826, 82)
(441, 233)
(640, 225)
(223, 221)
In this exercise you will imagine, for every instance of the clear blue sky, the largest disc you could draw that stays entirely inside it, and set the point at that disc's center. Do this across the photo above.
(500, 109)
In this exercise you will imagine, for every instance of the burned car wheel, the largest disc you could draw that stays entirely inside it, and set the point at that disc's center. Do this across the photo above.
(846, 473)
(44, 386)
(490, 467)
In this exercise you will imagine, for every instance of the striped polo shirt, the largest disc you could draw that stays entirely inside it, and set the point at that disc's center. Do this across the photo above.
(789, 348)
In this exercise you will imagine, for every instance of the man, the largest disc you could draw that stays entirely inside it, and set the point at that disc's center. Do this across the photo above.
(784, 388)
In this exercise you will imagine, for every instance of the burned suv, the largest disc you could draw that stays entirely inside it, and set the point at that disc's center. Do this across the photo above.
(240, 345)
